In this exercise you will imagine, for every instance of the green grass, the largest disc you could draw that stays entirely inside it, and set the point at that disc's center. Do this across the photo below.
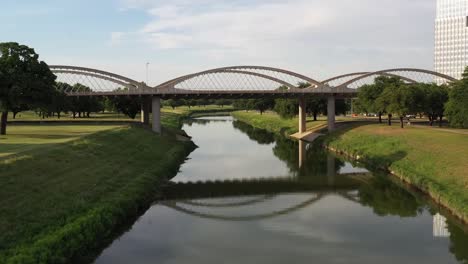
(432, 160)
(273, 122)
(22, 138)
(66, 188)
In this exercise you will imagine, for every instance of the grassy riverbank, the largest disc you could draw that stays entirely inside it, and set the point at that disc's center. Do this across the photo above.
(65, 188)
(433, 160)
(274, 123)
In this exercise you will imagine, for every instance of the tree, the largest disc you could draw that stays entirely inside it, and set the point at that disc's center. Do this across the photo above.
(401, 101)
(129, 106)
(457, 105)
(24, 80)
(367, 96)
(433, 98)
(286, 108)
(84, 105)
(371, 98)
(262, 105)
(222, 102)
(172, 103)
(316, 106)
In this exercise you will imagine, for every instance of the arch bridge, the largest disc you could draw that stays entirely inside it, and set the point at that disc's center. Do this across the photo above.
(230, 82)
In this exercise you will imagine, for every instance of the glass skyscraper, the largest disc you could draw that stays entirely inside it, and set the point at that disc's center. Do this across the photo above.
(451, 37)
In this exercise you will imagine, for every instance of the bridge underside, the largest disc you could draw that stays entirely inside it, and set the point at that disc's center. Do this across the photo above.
(342, 182)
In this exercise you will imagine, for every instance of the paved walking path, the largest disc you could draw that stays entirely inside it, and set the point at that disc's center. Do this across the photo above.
(450, 130)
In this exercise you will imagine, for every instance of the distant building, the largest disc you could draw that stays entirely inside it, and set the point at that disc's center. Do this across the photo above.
(439, 226)
(451, 37)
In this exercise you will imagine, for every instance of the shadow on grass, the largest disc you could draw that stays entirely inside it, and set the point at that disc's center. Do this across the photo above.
(46, 136)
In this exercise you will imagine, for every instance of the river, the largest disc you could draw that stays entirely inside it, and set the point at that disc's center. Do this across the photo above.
(248, 196)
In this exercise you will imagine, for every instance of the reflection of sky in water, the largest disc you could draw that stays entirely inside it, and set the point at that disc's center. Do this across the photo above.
(349, 168)
(227, 154)
(331, 230)
(327, 227)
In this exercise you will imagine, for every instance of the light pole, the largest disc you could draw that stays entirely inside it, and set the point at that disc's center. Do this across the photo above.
(147, 65)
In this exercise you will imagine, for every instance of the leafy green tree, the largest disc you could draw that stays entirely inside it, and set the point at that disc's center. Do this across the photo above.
(401, 101)
(367, 96)
(172, 103)
(84, 105)
(222, 102)
(433, 98)
(316, 106)
(24, 80)
(55, 105)
(191, 102)
(129, 106)
(262, 105)
(372, 98)
(457, 105)
(286, 108)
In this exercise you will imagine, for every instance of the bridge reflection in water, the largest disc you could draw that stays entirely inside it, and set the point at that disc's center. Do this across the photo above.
(316, 205)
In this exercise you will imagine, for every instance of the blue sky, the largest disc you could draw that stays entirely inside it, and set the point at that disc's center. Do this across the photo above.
(319, 38)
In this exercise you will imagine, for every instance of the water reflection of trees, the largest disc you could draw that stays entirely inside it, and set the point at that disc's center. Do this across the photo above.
(387, 198)
(384, 196)
(260, 136)
(458, 242)
(203, 122)
(287, 150)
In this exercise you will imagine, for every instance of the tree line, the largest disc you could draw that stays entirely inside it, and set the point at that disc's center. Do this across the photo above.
(288, 108)
(26, 83)
(391, 96)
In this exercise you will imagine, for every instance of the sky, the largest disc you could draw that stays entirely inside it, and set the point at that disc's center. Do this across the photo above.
(318, 38)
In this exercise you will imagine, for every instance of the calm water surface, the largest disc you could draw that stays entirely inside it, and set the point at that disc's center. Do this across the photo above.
(247, 196)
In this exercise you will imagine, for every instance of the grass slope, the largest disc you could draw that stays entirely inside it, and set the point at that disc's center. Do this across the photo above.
(61, 196)
(434, 161)
(29, 137)
(272, 122)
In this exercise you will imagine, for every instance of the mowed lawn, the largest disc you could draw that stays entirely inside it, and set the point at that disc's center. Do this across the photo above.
(434, 160)
(21, 138)
(60, 181)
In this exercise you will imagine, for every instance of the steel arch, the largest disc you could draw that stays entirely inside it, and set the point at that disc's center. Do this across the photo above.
(104, 75)
(327, 81)
(247, 70)
(443, 76)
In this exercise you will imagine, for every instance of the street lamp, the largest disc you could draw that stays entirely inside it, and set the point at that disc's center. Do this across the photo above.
(147, 65)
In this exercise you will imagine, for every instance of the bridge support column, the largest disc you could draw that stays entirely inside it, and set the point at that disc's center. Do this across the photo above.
(156, 109)
(145, 110)
(302, 115)
(331, 113)
(302, 153)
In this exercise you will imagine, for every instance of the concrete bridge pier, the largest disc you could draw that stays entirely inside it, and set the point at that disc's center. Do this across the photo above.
(156, 109)
(331, 111)
(302, 115)
(302, 153)
(145, 109)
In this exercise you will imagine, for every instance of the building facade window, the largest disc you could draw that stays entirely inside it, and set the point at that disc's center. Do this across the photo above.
(451, 37)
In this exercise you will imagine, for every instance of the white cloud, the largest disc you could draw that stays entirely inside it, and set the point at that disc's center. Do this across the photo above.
(316, 37)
